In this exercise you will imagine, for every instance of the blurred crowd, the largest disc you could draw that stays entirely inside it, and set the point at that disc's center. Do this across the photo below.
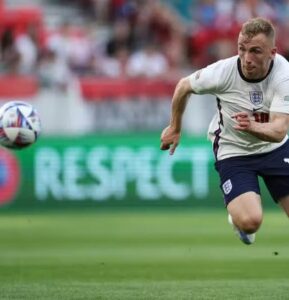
(136, 38)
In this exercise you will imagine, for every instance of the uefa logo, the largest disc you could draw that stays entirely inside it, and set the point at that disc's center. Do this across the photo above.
(9, 176)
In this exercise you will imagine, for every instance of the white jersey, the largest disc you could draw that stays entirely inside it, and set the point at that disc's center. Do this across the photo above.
(235, 93)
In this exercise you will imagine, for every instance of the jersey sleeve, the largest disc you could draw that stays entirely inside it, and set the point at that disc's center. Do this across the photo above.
(280, 101)
(208, 79)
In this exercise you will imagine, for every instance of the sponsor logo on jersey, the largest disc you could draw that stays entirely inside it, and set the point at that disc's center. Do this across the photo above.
(227, 186)
(286, 160)
(256, 97)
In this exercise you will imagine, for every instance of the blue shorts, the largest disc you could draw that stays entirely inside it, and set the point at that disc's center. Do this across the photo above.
(239, 174)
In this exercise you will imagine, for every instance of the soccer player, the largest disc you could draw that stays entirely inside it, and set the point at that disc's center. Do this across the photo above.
(249, 129)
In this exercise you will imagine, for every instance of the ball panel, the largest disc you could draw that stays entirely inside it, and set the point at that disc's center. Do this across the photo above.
(12, 133)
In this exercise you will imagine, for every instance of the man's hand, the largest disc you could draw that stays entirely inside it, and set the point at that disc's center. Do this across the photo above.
(244, 121)
(170, 139)
(273, 131)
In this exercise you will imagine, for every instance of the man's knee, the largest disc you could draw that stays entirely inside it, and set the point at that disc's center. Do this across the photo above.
(249, 223)
(246, 211)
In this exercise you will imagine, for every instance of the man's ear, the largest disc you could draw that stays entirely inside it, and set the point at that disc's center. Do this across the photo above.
(273, 52)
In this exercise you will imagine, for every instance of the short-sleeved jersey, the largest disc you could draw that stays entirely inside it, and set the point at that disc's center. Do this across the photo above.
(235, 93)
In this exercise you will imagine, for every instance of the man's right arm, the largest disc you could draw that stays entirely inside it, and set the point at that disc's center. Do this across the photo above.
(171, 134)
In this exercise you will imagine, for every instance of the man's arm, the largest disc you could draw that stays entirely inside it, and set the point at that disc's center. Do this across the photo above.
(171, 134)
(274, 131)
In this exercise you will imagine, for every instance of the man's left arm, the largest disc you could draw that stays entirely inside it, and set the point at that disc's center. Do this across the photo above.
(273, 131)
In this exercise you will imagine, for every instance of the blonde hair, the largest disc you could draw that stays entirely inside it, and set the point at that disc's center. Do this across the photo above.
(256, 26)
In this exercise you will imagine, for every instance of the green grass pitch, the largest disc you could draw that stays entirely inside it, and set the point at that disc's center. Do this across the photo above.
(140, 255)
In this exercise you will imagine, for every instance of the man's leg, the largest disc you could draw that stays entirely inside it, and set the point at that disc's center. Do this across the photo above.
(284, 203)
(246, 212)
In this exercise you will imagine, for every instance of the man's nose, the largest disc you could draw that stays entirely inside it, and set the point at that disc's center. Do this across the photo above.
(248, 59)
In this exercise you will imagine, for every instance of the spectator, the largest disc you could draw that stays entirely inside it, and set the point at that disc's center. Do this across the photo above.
(81, 53)
(113, 66)
(27, 46)
(148, 62)
(59, 41)
(206, 13)
(52, 71)
(74, 46)
(121, 37)
(248, 9)
(9, 56)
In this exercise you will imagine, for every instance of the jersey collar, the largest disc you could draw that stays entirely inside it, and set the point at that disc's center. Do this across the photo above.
(253, 80)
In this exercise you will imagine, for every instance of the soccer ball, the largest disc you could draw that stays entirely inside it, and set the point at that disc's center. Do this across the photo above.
(19, 125)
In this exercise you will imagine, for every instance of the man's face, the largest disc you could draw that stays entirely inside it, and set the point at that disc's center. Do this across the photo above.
(256, 54)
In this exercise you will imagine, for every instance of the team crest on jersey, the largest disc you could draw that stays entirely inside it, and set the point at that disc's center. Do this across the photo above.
(256, 97)
(227, 186)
